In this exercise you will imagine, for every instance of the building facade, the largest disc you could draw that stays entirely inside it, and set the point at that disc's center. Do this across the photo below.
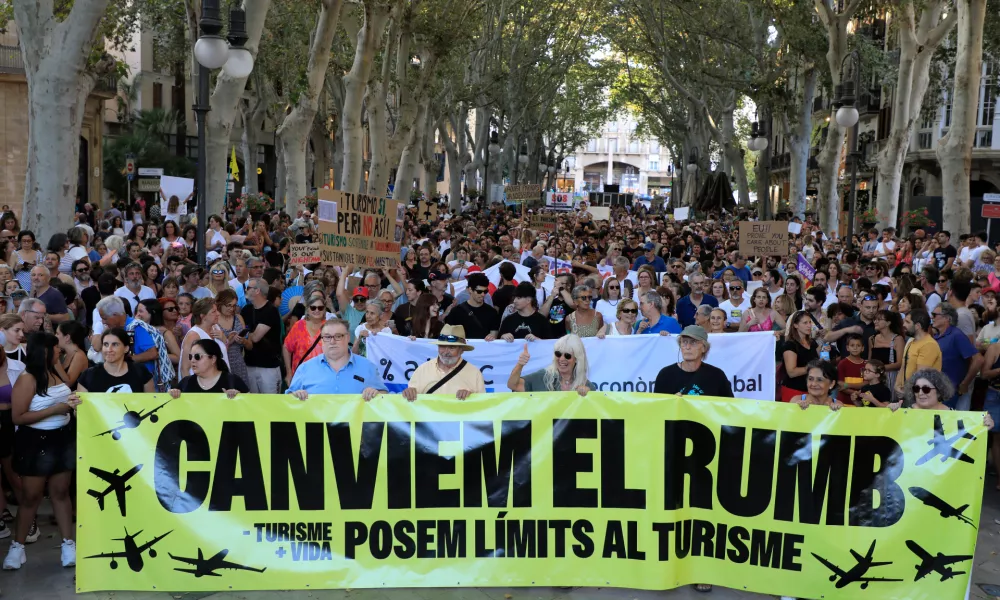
(618, 156)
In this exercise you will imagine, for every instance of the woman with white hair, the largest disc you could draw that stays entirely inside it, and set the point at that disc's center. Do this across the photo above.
(567, 372)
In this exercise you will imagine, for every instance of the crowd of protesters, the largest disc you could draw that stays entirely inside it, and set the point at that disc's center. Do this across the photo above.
(119, 303)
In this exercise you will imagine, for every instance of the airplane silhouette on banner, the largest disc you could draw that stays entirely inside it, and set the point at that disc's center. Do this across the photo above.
(945, 447)
(207, 567)
(855, 574)
(133, 552)
(937, 564)
(133, 419)
(946, 510)
(116, 484)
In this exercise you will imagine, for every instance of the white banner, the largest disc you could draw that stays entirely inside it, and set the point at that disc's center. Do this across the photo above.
(559, 201)
(747, 359)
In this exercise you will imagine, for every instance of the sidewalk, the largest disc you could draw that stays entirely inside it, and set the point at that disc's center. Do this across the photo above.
(43, 579)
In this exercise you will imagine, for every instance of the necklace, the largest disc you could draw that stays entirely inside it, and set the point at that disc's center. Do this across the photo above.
(615, 303)
(212, 380)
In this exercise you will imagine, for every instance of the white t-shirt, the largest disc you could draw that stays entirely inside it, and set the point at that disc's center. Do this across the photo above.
(126, 294)
(885, 247)
(734, 312)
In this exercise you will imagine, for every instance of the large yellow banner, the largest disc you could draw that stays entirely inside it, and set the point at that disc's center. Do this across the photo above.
(625, 490)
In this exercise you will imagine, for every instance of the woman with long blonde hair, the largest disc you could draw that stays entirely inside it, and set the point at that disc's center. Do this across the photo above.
(218, 279)
(567, 372)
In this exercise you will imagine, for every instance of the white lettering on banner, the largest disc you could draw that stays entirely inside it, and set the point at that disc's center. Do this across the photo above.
(747, 359)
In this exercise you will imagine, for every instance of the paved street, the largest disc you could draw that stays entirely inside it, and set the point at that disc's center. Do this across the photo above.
(43, 579)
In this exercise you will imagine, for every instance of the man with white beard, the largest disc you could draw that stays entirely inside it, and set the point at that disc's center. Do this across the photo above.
(448, 373)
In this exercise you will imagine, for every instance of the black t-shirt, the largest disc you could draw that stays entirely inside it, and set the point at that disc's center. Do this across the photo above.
(708, 380)
(558, 311)
(503, 297)
(419, 272)
(266, 352)
(803, 356)
(881, 392)
(478, 321)
(403, 317)
(90, 296)
(941, 255)
(133, 381)
(227, 381)
(520, 327)
(303, 239)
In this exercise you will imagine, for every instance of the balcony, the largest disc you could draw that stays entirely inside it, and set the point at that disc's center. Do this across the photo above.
(11, 60)
(870, 102)
(819, 104)
(106, 86)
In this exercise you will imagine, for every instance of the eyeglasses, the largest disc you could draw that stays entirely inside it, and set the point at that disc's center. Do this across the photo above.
(873, 371)
(937, 314)
(614, 287)
(566, 355)
(318, 308)
(196, 356)
(925, 389)
(585, 298)
(170, 309)
(336, 337)
(630, 311)
(480, 290)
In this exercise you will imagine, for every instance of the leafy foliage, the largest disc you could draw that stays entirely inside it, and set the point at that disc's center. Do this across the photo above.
(147, 141)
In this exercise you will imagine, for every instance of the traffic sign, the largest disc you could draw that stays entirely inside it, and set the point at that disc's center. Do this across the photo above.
(130, 166)
(150, 172)
(991, 211)
(991, 197)
(230, 187)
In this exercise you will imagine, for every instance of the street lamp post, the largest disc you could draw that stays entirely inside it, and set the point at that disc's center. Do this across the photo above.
(848, 117)
(493, 147)
(212, 52)
(522, 160)
(692, 169)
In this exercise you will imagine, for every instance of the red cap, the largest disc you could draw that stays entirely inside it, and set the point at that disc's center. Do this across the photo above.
(360, 291)
(475, 269)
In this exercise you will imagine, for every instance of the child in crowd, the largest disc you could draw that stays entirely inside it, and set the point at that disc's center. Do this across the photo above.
(850, 368)
(874, 392)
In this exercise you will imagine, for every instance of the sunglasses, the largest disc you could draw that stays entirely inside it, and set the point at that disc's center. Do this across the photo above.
(942, 281)
(450, 338)
(318, 308)
(196, 356)
(170, 309)
(735, 288)
(480, 290)
(360, 299)
(218, 272)
(83, 270)
(629, 311)
(926, 389)
(585, 298)
(566, 355)
(869, 298)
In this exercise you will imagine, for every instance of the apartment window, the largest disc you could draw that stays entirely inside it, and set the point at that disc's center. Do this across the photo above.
(654, 147)
(987, 98)
(613, 126)
(633, 146)
(654, 164)
(947, 110)
(984, 139)
(612, 144)
(157, 95)
(924, 141)
(591, 145)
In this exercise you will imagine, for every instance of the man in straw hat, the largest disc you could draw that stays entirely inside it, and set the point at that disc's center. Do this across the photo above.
(448, 373)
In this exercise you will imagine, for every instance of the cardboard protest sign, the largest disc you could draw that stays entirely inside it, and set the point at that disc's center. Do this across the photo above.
(523, 193)
(365, 232)
(427, 211)
(304, 254)
(763, 238)
(543, 222)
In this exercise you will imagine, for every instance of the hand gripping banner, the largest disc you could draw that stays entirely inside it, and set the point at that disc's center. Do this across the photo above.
(617, 364)
(265, 492)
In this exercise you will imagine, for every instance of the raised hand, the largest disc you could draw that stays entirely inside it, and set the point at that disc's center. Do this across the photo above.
(524, 357)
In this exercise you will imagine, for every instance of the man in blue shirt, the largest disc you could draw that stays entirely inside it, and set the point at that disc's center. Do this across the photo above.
(960, 360)
(337, 370)
(112, 312)
(687, 305)
(653, 320)
(649, 258)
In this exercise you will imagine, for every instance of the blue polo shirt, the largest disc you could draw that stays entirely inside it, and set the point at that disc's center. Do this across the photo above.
(956, 350)
(686, 308)
(316, 376)
(668, 324)
(657, 263)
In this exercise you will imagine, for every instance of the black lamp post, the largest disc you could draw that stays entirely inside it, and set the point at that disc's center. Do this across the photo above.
(847, 116)
(213, 52)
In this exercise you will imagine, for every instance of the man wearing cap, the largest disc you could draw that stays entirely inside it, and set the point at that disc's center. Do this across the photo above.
(649, 258)
(133, 291)
(192, 280)
(448, 373)
(353, 306)
(692, 376)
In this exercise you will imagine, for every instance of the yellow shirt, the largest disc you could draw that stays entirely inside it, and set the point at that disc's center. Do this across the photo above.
(918, 355)
(427, 374)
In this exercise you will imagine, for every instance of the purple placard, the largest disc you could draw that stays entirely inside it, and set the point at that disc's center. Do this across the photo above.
(805, 268)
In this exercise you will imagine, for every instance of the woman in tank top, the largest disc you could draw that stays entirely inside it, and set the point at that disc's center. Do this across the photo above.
(44, 446)
(204, 326)
(628, 312)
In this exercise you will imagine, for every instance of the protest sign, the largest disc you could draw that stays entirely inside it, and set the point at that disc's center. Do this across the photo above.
(804, 268)
(523, 193)
(543, 222)
(265, 492)
(366, 233)
(763, 238)
(682, 213)
(558, 200)
(427, 211)
(794, 228)
(182, 187)
(304, 254)
(600, 213)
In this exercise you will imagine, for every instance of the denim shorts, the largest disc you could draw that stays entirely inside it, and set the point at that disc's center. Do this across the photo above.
(44, 452)
(992, 406)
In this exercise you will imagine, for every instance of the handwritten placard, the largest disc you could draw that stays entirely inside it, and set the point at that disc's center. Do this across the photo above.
(304, 254)
(763, 238)
(523, 193)
(367, 231)
(543, 222)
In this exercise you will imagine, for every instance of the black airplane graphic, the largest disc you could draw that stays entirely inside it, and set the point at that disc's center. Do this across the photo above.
(132, 419)
(938, 564)
(945, 447)
(207, 567)
(856, 573)
(940, 505)
(133, 552)
(116, 484)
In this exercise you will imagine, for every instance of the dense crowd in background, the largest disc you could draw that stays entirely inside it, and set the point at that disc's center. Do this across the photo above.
(119, 303)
